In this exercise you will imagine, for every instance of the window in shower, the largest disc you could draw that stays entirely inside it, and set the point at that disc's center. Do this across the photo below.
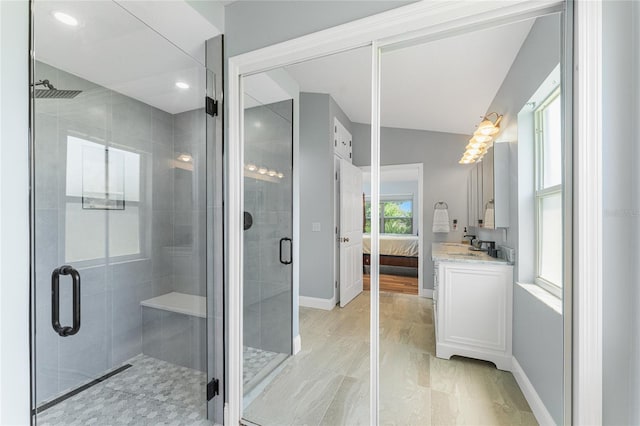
(102, 178)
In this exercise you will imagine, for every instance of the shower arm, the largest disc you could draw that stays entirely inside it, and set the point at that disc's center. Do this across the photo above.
(45, 83)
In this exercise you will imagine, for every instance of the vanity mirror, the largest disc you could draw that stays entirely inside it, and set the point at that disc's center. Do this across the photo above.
(488, 189)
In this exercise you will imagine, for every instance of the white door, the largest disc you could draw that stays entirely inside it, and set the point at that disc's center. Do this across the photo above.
(351, 210)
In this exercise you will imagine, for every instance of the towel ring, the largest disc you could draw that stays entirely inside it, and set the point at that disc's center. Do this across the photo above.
(440, 205)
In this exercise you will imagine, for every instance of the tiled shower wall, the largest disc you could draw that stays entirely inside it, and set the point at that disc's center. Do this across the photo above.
(171, 218)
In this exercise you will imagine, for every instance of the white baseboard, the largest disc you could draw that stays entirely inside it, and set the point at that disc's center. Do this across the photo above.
(537, 406)
(426, 292)
(297, 344)
(317, 303)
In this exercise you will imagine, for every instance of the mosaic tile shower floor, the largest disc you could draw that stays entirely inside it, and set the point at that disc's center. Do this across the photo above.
(151, 392)
(254, 361)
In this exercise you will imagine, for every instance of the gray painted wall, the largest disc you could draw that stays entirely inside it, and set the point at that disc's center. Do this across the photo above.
(537, 329)
(250, 25)
(621, 217)
(444, 179)
(317, 112)
(316, 197)
(171, 212)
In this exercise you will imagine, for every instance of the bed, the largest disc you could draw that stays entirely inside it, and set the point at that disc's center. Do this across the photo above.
(395, 250)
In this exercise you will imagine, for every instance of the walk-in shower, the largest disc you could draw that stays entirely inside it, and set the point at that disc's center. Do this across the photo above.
(268, 231)
(125, 166)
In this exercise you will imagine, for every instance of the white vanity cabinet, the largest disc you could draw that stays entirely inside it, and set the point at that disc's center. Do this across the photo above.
(473, 310)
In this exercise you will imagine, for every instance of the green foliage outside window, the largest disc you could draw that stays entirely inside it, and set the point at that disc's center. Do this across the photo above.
(396, 217)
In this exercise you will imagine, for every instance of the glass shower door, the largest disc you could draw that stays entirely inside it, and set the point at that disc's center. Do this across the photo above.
(120, 221)
(268, 246)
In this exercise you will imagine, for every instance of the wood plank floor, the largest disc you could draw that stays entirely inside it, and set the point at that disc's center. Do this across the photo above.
(393, 283)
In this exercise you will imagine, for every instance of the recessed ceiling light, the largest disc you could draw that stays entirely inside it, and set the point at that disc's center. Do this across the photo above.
(66, 18)
(181, 85)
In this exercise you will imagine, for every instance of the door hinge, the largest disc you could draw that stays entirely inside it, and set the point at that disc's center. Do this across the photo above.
(212, 107)
(336, 284)
(213, 389)
(336, 175)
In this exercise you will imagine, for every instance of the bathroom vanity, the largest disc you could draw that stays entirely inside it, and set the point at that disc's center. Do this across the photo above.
(472, 304)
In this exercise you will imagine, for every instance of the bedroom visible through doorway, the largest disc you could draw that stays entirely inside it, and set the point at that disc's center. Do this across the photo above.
(400, 229)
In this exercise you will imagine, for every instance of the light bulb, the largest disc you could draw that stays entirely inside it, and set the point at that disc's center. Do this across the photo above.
(478, 145)
(262, 170)
(280, 175)
(252, 167)
(481, 137)
(487, 128)
(272, 173)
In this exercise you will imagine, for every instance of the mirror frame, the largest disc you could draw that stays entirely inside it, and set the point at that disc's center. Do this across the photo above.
(393, 29)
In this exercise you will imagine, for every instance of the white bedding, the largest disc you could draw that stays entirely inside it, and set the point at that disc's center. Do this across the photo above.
(393, 245)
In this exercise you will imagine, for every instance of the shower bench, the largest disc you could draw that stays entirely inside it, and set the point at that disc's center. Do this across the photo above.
(174, 329)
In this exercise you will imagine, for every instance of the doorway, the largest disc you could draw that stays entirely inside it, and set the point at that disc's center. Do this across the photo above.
(401, 229)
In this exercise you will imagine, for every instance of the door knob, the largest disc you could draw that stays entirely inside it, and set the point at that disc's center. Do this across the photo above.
(344, 239)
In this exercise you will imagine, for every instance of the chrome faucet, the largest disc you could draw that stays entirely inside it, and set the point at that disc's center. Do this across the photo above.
(470, 237)
(491, 247)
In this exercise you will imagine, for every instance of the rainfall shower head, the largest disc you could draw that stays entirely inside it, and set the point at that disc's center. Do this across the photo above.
(52, 93)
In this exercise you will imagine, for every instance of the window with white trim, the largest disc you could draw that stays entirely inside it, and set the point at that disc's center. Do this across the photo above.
(396, 216)
(549, 194)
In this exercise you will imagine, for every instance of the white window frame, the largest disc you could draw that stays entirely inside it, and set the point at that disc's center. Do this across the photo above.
(144, 211)
(542, 193)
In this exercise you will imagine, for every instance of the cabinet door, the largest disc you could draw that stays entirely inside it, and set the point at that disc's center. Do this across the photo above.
(475, 305)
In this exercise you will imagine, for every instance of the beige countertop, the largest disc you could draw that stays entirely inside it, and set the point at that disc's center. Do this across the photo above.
(455, 252)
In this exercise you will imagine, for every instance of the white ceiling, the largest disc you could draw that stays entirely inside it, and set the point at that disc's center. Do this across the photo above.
(444, 85)
(122, 52)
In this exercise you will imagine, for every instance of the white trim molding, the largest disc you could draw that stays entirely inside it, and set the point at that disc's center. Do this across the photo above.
(318, 302)
(297, 344)
(535, 402)
(587, 288)
(426, 292)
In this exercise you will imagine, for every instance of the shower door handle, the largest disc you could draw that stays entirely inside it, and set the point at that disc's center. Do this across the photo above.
(290, 261)
(65, 331)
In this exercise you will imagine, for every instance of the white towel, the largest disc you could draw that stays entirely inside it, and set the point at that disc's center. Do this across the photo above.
(489, 218)
(441, 220)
